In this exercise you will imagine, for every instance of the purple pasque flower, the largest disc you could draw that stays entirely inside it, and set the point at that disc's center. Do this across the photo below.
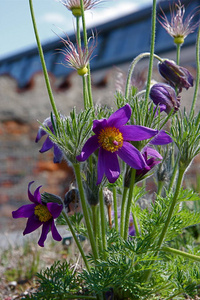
(152, 158)
(77, 57)
(178, 27)
(165, 96)
(112, 138)
(175, 75)
(48, 144)
(39, 214)
(75, 6)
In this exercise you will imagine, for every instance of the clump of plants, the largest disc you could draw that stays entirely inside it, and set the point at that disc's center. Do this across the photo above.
(139, 245)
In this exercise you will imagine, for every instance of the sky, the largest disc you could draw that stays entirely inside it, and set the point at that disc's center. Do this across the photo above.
(53, 19)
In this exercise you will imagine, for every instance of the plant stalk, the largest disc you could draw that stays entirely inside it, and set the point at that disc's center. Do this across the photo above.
(41, 54)
(85, 210)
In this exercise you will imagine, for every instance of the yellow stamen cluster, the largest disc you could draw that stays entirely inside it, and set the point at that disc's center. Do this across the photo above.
(110, 139)
(43, 213)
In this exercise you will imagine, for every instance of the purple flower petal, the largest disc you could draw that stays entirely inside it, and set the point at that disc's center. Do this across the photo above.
(152, 152)
(90, 146)
(31, 197)
(58, 155)
(131, 156)
(45, 231)
(48, 144)
(120, 117)
(137, 132)
(25, 211)
(55, 209)
(40, 134)
(98, 125)
(101, 165)
(37, 195)
(32, 224)
(112, 169)
(55, 234)
(162, 138)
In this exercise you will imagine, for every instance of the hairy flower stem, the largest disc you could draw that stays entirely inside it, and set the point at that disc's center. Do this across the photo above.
(94, 221)
(169, 216)
(178, 52)
(76, 239)
(123, 210)
(85, 210)
(153, 35)
(86, 46)
(103, 221)
(41, 54)
(197, 75)
(132, 67)
(85, 93)
(128, 207)
(115, 208)
(181, 253)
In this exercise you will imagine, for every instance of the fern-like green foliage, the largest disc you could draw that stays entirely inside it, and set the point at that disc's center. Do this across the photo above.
(58, 282)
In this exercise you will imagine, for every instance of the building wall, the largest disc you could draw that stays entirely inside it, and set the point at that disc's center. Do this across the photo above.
(20, 159)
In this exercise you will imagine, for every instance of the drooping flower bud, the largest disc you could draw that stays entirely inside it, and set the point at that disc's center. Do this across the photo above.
(165, 96)
(175, 75)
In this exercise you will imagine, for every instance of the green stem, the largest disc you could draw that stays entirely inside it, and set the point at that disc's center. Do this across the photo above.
(153, 35)
(178, 52)
(43, 64)
(128, 207)
(169, 216)
(123, 209)
(132, 67)
(172, 179)
(85, 210)
(103, 221)
(76, 239)
(115, 209)
(172, 206)
(99, 234)
(160, 186)
(94, 220)
(181, 253)
(78, 34)
(85, 93)
(86, 46)
(197, 75)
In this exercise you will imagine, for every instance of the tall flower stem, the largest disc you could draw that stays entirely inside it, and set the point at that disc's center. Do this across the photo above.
(128, 207)
(115, 209)
(178, 52)
(85, 210)
(48, 85)
(132, 67)
(169, 216)
(86, 46)
(181, 253)
(76, 239)
(153, 35)
(197, 75)
(85, 93)
(123, 211)
(103, 221)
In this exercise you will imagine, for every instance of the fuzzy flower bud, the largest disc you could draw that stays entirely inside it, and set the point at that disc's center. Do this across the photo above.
(176, 76)
(165, 96)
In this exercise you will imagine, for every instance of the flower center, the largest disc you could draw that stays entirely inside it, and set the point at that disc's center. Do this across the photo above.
(110, 139)
(82, 71)
(76, 11)
(43, 213)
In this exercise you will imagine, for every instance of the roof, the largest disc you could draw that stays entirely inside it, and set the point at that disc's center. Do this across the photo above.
(119, 41)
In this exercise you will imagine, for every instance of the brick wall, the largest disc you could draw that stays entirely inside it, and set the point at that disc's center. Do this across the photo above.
(20, 159)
